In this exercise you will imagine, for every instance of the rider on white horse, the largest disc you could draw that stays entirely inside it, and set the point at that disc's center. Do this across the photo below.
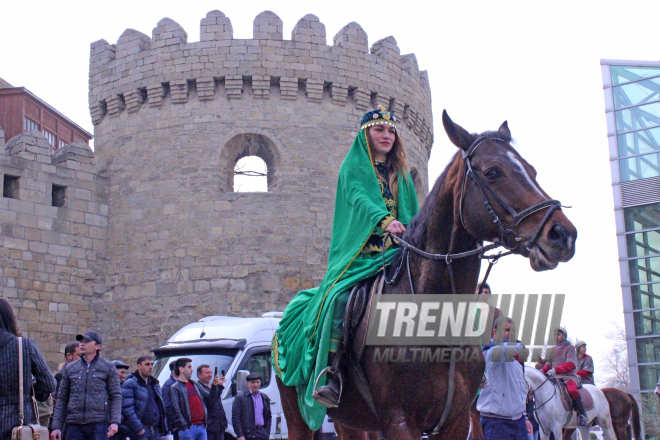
(563, 368)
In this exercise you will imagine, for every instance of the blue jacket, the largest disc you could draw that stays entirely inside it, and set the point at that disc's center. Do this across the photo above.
(135, 401)
(505, 395)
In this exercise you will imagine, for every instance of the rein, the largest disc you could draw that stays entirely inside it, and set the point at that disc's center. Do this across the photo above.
(508, 239)
(536, 408)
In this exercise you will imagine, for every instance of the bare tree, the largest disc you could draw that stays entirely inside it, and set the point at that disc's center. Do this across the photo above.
(615, 363)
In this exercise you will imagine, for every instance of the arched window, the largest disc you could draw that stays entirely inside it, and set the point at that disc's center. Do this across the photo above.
(251, 175)
(252, 164)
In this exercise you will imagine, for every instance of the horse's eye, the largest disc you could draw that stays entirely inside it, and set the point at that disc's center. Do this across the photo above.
(493, 173)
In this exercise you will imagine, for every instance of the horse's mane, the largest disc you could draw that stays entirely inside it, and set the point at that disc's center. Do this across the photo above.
(416, 229)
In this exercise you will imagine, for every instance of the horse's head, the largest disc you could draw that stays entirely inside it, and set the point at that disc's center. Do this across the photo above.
(499, 199)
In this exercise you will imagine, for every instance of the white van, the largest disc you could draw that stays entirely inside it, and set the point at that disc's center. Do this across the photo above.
(231, 345)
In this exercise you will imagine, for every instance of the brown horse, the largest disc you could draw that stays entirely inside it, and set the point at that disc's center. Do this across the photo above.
(623, 407)
(410, 398)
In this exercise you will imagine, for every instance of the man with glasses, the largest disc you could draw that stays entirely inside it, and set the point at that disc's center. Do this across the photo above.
(143, 411)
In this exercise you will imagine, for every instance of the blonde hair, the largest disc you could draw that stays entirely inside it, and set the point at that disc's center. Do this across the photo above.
(396, 162)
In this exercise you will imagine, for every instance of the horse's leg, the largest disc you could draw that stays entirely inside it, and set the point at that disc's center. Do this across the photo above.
(397, 426)
(605, 423)
(346, 433)
(298, 429)
(567, 433)
(476, 432)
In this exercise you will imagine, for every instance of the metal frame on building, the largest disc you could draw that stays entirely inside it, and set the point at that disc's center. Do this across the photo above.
(636, 188)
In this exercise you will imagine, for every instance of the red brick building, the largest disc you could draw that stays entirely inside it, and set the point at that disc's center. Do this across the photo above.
(21, 110)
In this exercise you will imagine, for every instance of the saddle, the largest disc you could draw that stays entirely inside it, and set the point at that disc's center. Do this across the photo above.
(587, 400)
(354, 335)
(359, 304)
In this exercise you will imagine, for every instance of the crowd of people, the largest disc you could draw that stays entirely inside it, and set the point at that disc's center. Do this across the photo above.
(506, 409)
(92, 398)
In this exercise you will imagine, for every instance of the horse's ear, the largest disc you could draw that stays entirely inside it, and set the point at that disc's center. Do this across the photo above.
(504, 130)
(457, 134)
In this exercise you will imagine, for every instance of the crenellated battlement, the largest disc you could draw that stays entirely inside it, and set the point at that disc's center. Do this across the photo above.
(142, 72)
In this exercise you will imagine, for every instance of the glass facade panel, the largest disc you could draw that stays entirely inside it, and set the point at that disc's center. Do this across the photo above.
(639, 142)
(643, 243)
(648, 350)
(624, 74)
(646, 296)
(637, 93)
(635, 118)
(647, 323)
(640, 167)
(648, 377)
(644, 270)
(639, 218)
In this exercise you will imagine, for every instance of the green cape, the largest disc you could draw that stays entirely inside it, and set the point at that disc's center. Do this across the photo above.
(302, 340)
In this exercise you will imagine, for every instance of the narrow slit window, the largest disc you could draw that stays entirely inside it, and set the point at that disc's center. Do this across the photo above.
(10, 187)
(59, 195)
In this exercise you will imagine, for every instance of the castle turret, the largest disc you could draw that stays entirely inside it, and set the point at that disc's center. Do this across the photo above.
(171, 120)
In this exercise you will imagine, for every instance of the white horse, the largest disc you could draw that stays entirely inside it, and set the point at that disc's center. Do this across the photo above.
(551, 415)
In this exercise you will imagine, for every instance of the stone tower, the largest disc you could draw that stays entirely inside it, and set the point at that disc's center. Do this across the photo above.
(172, 118)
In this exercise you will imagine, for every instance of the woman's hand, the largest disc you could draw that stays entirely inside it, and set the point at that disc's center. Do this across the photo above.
(395, 227)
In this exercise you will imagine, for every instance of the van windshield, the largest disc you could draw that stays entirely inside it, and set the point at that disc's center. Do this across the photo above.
(162, 370)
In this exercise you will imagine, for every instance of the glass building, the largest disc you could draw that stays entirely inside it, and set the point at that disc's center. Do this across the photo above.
(632, 105)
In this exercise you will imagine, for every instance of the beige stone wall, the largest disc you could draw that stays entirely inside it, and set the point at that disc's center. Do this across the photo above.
(52, 258)
(152, 235)
(171, 119)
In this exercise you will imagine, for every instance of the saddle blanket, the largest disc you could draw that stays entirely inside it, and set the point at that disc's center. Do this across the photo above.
(587, 400)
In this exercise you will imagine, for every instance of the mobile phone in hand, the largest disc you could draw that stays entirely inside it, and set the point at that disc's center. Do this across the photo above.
(223, 372)
(216, 371)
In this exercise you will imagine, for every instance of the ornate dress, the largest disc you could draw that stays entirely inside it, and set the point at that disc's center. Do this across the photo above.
(363, 209)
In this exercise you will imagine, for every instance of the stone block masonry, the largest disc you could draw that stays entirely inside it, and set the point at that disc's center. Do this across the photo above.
(53, 258)
(156, 238)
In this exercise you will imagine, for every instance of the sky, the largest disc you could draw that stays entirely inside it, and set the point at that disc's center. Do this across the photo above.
(534, 64)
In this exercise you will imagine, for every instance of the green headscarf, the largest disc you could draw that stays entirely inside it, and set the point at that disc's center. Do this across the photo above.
(301, 343)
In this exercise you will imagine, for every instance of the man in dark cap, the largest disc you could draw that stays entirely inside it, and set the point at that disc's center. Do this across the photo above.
(122, 370)
(251, 415)
(89, 396)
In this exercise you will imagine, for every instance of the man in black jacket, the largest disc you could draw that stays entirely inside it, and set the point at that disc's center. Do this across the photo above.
(250, 414)
(89, 397)
(189, 402)
(143, 411)
(215, 429)
(169, 413)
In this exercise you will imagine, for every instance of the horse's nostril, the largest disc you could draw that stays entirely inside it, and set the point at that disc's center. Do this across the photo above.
(557, 233)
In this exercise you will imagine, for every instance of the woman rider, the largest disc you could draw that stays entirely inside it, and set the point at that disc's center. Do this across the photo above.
(375, 196)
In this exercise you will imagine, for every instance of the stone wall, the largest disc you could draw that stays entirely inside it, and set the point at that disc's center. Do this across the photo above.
(152, 235)
(172, 118)
(52, 257)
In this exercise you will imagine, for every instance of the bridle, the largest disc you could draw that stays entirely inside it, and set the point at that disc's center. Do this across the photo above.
(508, 237)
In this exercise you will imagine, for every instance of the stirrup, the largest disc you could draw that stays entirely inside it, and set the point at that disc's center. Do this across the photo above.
(322, 400)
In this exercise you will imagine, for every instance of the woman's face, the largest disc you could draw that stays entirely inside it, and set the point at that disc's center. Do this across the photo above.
(382, 138)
